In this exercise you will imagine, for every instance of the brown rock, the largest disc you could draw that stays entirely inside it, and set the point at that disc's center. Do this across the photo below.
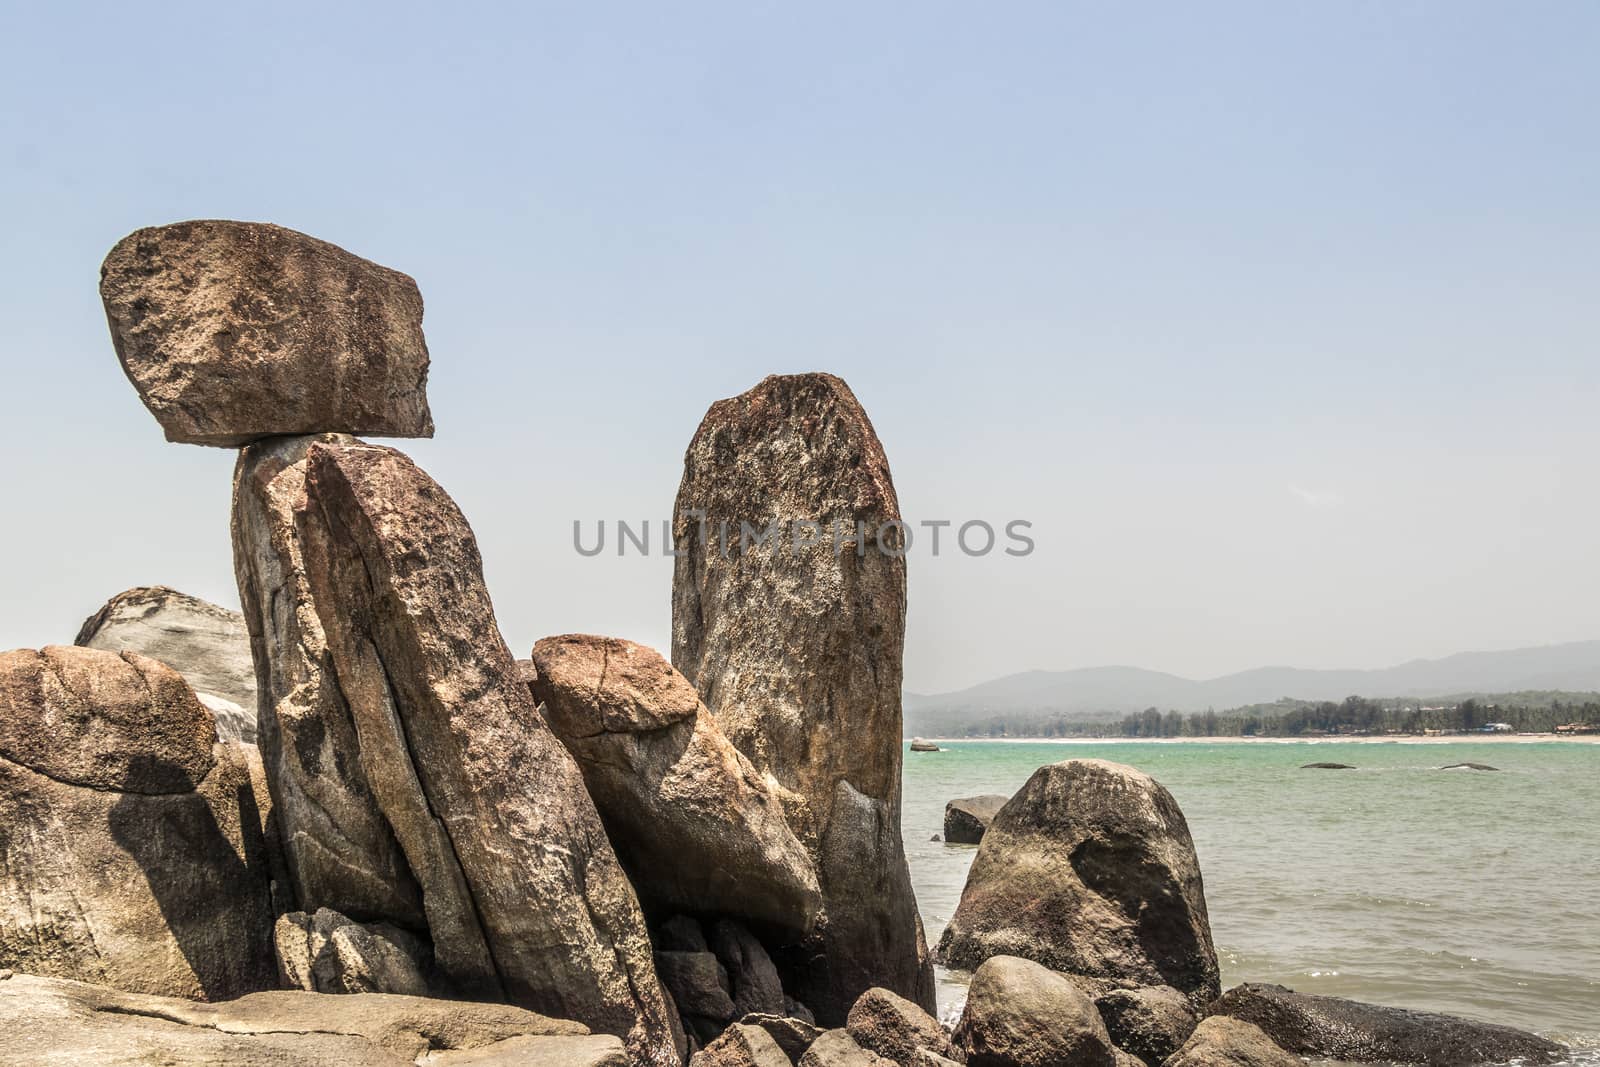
(1223, 1042)
(1151, 1023)
(896, 1029)
(520, 886)
(235, 331)
(836, 1048)
(741, 1046)
(1020, 1014)
(339, 850)
(131, 851)
(693, 823)
(757, 989)
(797, 652)
(793, 1035)
(966, 819)
(1089, 869)
(328, 953)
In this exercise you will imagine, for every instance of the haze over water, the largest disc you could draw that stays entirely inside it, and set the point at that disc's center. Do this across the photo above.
(1473, 893)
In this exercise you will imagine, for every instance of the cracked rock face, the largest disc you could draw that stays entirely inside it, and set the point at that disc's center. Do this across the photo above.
(522, 893)
(234, 331)
(67, 1024)
(695, 825)
(797, 652)
(131, 848)
(1089, 869)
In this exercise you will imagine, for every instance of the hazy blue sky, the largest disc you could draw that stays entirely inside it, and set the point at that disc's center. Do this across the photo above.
(1278, 320)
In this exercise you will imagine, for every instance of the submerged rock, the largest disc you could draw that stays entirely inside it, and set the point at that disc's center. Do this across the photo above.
(1468, 767)
(204, 642)
(521, 890)
(1369, 1033)
(1089, 869)
(796, 649)
(1327, 767)
(694, 824)
(1020, 1014)
(1223, 1042)
(131, 848)
(235, 331)
(967, 818)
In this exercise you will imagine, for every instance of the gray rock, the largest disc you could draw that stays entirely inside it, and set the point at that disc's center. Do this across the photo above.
(204, 642)
(919, 744)
(521, 889)
(1020, 1014)
(1468, 767)
(1327, 767)
(797, 652)
(1150, 1023)
(695, 826)
(741, 1045)
(698, 984)
(836, 1048)
(896, 1029)
(756, 987)
(966, 819)
(72, 1024)
(1089, 869)
(235, 331)
(1223, 1042)
(681, 933)
(131, 850)
(328, 953)
(1369, 1033)
(793, 1035)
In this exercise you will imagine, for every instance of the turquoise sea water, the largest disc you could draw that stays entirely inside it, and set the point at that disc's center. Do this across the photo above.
(1467, 892)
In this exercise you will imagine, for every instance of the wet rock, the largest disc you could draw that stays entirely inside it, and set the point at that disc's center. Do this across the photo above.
(966, 819)
(1089, 869)
(1468, 767)
(756, 987)
(67, 1024)
(896, 1029)
(797, 652)
(836, 1048)
(1327, 767)
(693, 823)
(1150, 1023)
(1223, 1042)
(521, 890)
(1020, 1014)
(1369, 1033)
(741, 1045)
(235, 331)
(204, 642)
(131, 849)
(793, 1035)
(328, 953)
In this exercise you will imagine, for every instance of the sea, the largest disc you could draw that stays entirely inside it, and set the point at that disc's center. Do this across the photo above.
(1475, 893)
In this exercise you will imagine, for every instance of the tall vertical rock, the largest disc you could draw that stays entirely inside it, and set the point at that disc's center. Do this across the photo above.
(520, 885)
(796, 648)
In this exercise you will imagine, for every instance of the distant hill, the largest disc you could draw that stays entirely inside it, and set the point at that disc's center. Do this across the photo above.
(1097, 693)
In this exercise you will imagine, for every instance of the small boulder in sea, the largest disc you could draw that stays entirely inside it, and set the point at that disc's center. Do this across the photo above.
(234, 331)
(1090, 870)
(922, 744)
(1331, 1028)
(1223, 1042)
(1327, 767)
(1468, 767)
(1020, 1014)
(966, 818)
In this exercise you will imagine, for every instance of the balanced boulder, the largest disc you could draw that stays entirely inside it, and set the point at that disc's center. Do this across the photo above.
(1019, 1014)
(1089, 869)
(204, 642)
(966, 819)
(1348, 1030)
(131, 850)
(694, 824)
(793, 634)
(521, 890)
(1223, 1042)
(234, 331)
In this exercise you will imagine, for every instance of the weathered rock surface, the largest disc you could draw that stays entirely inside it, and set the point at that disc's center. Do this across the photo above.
(741, 1045)
(234, 331)
(328, 953)
(1223, 1042)
(966, 818)
(793, 1035)
(1150, 1023)
(896, 1029)
(1369, 1033)
(695, 826)
(698, 984)
(202, 641)
(339, 850)
(920, 744)
(1020, 1014)
(131, 849)
(54, 1023)
(797, 652)
(1089, 869)
(836, 1048)
(521, 889)
(757, 990)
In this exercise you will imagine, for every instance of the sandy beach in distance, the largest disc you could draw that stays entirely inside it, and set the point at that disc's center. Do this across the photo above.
(1406, 739)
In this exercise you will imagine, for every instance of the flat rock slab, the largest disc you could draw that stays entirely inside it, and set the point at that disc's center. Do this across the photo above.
(234, 331)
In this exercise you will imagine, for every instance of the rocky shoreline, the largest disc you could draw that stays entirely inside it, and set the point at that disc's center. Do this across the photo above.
(348, 826)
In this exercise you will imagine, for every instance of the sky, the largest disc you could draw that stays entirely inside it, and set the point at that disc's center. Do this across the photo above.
(1277, 321)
